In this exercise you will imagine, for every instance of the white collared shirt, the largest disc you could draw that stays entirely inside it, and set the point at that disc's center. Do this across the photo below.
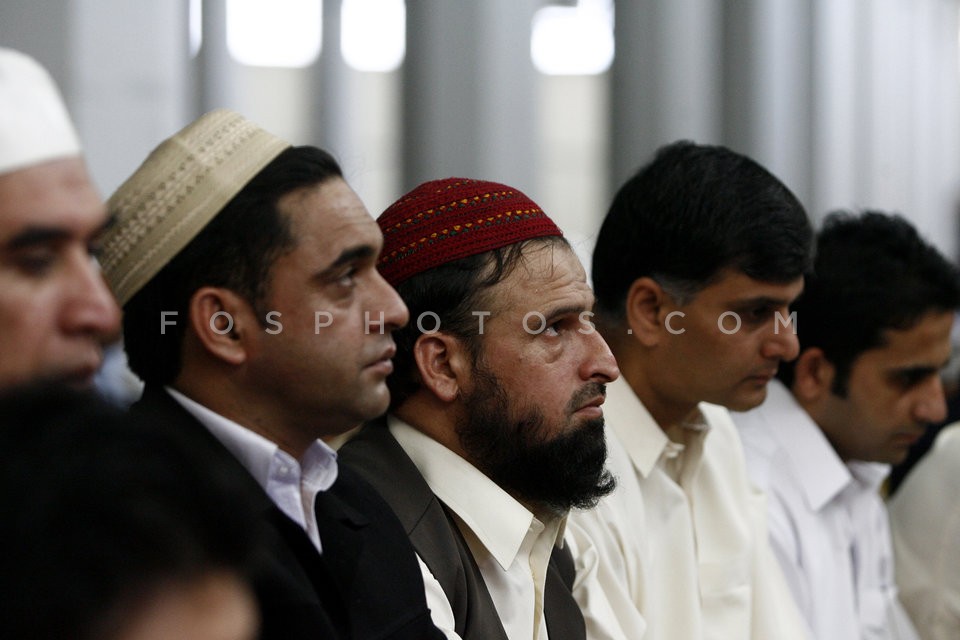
(925, 516)
(512, 547)
(293, 486)
(828, 523)
(681, 549)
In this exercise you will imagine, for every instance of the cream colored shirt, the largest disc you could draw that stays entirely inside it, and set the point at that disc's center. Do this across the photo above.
(681, 546)
(925, 517)
(511, 545)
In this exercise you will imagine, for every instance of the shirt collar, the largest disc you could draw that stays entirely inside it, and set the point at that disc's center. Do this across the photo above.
(258, 455)
(869, 475)
(811, 454)
(644, 439)
(498, 520)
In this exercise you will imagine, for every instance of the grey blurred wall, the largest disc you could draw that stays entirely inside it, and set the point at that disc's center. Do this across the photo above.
(853, 103)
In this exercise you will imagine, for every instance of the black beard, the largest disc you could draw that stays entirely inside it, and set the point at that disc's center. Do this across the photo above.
(559, 473)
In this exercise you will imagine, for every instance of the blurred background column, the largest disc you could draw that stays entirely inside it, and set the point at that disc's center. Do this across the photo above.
(767, 87)
(356, 94)
(216, 82)
(837, 104)
(123, 68)
(469, 94)
(666, 78)
(146, 96)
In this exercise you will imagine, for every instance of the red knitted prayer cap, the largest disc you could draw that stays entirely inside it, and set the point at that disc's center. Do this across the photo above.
(445, 220)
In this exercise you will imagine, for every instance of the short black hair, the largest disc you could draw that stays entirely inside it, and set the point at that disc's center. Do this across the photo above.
(872, 272)
(452, 291)
(692, 212)
(97, 511)
(236, 250)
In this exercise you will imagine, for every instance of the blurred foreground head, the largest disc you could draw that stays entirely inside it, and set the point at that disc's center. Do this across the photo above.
(112, 530)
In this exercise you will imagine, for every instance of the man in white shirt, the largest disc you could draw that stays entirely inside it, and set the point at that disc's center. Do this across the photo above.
(874, 328)
(56, 312)
(699, 257)
(254, 313)
(495, 428)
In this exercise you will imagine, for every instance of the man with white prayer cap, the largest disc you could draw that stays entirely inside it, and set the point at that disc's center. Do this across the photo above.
(56, 312)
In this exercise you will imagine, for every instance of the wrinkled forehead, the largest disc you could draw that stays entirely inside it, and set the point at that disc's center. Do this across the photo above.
(545, 273)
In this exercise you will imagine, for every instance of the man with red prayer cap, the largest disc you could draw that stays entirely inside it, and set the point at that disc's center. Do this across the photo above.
(495, 426)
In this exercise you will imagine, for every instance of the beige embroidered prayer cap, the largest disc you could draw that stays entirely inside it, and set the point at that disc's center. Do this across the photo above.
(181, 186)
(34, 124)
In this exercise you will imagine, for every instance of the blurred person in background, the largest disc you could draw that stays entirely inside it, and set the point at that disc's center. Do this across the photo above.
(874, 326)
(925, 520)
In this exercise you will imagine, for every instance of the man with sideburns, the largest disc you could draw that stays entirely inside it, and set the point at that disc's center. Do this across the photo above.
(255, 315)
(495, 428)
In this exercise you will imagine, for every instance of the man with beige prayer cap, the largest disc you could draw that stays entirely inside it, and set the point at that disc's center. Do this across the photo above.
(55, 311)
(257, 320)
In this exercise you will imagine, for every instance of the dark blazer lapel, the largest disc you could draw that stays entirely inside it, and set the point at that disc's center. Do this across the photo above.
(340, 527)
(366, 585)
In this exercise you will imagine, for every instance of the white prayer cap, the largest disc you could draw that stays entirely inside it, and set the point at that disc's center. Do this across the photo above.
(34, 124)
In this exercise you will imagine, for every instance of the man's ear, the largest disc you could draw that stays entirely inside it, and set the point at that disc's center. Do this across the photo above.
(813, 376)
(644, 311)
(444, 363)
(222, 322)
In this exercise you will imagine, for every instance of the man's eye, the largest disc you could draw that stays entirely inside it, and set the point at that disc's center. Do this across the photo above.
(95, 249)
(35, 262)
(347, 278)
(910, 379)
(760, 313)
(553, 329)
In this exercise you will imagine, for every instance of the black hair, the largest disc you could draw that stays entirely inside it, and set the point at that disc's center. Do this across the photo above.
(98, 511)
(872, 273)
(692, 212)
(236, 250)
(452, 291)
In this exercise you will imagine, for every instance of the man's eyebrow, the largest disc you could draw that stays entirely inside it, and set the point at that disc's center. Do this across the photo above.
(763, 301)
(352, 254)
(36, 235)
(916, 371)
(566, 310)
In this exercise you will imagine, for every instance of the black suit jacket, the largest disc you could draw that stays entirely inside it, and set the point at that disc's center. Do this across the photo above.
(367, 584)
